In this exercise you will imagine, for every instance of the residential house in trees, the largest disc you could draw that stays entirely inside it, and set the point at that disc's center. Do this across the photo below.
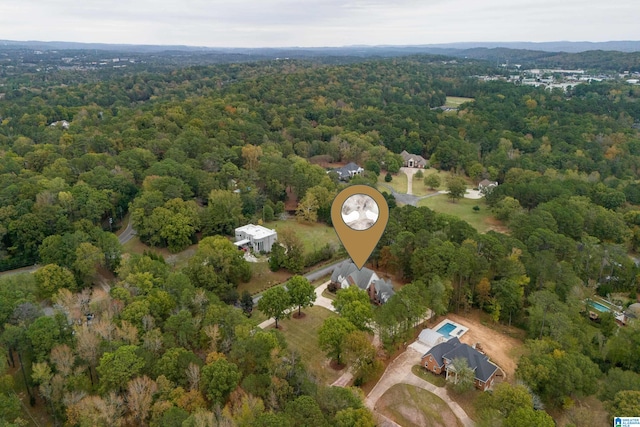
(347, 274)
(413, 160)
(439, 360)
(348, 171)
(485, 186)
(256, 237)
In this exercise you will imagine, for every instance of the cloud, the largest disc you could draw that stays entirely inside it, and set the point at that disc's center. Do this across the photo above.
(317, 23)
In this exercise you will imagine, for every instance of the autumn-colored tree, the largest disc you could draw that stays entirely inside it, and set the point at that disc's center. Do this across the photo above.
(140, 392)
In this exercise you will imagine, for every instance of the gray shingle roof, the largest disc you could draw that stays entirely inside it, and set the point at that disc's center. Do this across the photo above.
(477, 361)
(453, 349)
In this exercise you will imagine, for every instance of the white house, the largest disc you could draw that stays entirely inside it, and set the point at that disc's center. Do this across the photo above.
(257, 237)
(486, 186)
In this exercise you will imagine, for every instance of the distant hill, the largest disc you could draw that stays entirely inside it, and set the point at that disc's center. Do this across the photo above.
(443, 48)
(614, 56)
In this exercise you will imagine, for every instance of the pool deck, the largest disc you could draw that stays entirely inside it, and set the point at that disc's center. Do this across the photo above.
(457, 332)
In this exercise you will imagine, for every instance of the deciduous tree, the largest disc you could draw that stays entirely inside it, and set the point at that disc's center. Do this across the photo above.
(275, 302)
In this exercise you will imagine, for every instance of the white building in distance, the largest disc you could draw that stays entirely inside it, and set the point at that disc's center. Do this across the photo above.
(257, 237)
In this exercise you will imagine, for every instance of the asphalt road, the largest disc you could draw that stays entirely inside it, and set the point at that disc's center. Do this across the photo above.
(127, 234)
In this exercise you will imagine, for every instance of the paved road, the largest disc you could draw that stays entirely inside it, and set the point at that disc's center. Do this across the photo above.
(408, 199)
(29, 269)
(399, 372)
(127, 234)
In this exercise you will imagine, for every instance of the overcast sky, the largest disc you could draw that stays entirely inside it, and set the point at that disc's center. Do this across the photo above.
(264, 23)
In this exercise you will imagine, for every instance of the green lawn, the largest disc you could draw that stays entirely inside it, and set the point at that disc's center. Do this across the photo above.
(398, 183)
(436, 380)
(456, 101)
(408, 406)
(313, 236)
(419, 189)
(262, 278)
(302, 336)
(482, 220)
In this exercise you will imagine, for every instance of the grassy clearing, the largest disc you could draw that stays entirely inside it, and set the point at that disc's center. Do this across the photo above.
(262, 278)
(398, 183)
(313, 236)
(436, 380)
(482, 220)
(466, 400)
(456, 101)
(302, 336)
(419, 189)
(411, 406)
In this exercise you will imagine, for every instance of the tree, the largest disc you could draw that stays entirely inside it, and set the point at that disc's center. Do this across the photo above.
(307, 210)
(294, 259)
(218, 266)
(354, 417)
(88, 259)
(456, 188)
(331, 336)
(432, 181)
(219, 378)
(301, 292)
(51, 278)
(626, 403)
(223, 213)
(525, 417)
(140, 393)
(388, 177)
(360, 354)
(275, 302)
(305, 412)
(47, 332)
(463, 376)
(246, 302)
(117, 368)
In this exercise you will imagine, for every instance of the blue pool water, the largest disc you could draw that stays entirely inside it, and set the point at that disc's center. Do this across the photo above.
(446, 329)
(599, 307)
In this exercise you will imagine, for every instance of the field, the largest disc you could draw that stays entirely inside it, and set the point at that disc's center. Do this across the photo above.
(313, 236)
(482, 220)
(456, 101)
(302, 336)
(411, 406)
(398, 183)
(262, 278)
(419, 189)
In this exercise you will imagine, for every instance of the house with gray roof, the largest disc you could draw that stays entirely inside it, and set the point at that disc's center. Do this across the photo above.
(413, 160)
(347, 274)
(348, 171)
(440, 360)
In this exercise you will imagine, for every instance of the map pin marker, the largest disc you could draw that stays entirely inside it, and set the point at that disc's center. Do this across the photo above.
(359, 214)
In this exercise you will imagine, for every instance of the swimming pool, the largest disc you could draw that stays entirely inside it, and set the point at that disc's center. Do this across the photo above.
(446, 329)
(599, 306)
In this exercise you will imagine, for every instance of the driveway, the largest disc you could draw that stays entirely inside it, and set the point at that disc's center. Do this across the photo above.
(409, 172)
(399, 372)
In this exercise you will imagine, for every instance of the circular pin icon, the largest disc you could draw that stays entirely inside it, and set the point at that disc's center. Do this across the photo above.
(359, 214)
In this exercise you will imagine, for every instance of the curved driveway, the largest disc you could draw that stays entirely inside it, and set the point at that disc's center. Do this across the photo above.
(399, 372)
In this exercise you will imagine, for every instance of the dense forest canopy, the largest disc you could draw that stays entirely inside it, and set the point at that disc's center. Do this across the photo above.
(191, 153)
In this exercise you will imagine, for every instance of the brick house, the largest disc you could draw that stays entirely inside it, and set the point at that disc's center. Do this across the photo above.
(439, 360)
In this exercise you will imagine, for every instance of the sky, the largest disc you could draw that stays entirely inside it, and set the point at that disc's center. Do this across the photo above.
(286, 23)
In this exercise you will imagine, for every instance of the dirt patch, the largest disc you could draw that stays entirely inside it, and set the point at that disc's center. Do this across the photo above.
(496, 225)
(501, 343)
(410, 406)
(336, 366)
(297, 315)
